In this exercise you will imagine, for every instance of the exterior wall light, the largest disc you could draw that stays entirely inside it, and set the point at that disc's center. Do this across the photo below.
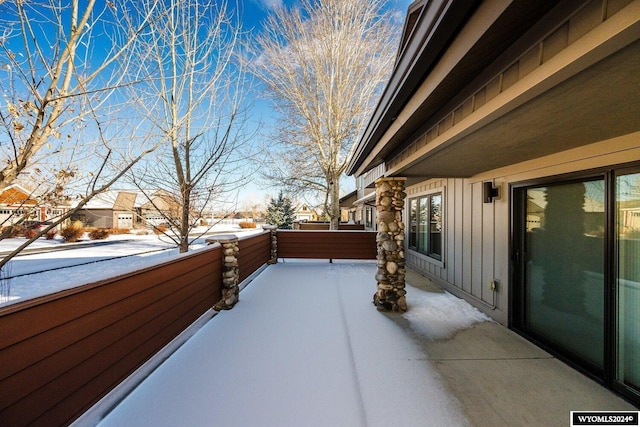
(489, 192)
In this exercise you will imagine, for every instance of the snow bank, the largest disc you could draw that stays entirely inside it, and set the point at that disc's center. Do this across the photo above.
(439, 316)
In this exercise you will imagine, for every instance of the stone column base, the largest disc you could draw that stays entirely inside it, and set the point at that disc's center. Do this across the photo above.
(390, 275)
(230, 272)
(273, 259)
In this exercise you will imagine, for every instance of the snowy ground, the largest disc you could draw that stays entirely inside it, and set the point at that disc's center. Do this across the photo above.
(305, 347)
(79, 264)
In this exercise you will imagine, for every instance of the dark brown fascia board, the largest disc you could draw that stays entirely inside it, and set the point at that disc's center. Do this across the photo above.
(413, 14)
(434, 29)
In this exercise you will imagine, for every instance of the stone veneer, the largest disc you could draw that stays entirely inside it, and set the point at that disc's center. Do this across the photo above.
(274, 243)
(390, 275)
(230, 272)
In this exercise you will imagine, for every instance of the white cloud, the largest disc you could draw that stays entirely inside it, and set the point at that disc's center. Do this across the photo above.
(270, 4)
(398, 16)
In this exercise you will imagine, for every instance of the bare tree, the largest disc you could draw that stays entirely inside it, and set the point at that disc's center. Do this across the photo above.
(324, 64)
(195, 103)
(62, 123)
(58, 60)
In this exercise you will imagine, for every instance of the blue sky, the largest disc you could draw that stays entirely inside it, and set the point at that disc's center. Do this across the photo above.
(253, 13)
(255, 10)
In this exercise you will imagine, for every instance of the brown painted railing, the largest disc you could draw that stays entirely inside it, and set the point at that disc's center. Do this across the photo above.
(327, 244)
(325, 226)
(254, 253)
(61, 353)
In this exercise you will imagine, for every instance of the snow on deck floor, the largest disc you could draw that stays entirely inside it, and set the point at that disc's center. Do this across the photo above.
(304, 347)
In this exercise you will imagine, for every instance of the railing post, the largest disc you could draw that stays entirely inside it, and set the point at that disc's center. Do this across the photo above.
(274, 243)
(230, 271)
(390, 275)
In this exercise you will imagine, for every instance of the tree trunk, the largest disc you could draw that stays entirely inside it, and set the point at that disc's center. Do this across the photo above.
(334, 213)
(184, 221)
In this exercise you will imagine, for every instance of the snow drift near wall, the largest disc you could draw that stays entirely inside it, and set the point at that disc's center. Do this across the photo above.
(439, 316)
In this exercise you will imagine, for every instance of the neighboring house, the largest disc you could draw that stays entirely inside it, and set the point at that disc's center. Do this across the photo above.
(111, 209)
(514, 127)
(304, 214)
(127, 209)
(157, 207)
(347, 208)
(365, 204)
(17, 203)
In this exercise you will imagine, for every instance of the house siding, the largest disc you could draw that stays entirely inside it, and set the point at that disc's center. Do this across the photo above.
(526, 94)
(476, 248)
(473, 245)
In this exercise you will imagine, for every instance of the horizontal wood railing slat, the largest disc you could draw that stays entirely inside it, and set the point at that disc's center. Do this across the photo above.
(113, 375)
(94, 339)
(52, 392)
(18, 324)
(17, 357)
(39, 388)
(327, 244)
(254, 253)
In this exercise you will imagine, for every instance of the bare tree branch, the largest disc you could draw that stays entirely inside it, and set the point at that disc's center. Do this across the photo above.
(195, 100)
(49, 52)
(324, 64)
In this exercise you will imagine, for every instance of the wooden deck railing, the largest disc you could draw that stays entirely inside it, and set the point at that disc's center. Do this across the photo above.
(61, 353)
(321, 225)
(254, 253)
(327, 244)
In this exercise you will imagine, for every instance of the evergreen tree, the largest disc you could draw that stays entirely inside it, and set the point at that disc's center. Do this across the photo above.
(280, 212)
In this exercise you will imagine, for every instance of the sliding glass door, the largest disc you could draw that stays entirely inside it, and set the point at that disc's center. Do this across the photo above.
(627, 250)
(563, 281)
(576, 277)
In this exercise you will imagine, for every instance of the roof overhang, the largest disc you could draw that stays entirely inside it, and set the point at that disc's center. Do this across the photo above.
(436, 24)
(483, 34)
(595, 104)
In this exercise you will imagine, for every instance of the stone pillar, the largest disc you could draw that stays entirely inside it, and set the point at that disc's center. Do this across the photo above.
(274, 243)
(230, 273)
(390, 275)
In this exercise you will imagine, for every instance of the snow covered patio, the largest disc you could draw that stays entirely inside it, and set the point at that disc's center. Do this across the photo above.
(305, 346)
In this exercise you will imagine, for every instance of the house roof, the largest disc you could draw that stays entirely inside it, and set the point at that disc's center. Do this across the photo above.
(456, 48)
(428, 29)
(15, 194)
(348, 199)
(117, 200)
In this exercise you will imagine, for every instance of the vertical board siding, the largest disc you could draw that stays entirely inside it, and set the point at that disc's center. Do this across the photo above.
(469, 261)
(501, 246)
(488, 252)
(327, 244)
(455, 238)
(477, 224)
(255, 251)
(467, 239)
(63, 352)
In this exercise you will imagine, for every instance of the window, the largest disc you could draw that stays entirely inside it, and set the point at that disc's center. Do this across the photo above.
(370, 222)
(425, 225)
